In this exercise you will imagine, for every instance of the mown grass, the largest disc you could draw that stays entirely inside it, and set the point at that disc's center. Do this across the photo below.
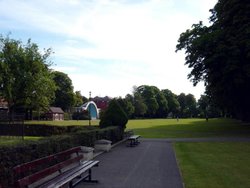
(11, 140)
(65, 123)
(188, 128)
(214, 165)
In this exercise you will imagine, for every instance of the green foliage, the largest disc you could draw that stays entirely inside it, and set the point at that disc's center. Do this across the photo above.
(114, 115)
(150, 102)
(126, 105)
(220, 56)
(187, 105)
(30, 150)
(80, 115)
(78, 99)
(140, 106)
(25, 79)
(207, 108)
(173, 103)
(64, 95)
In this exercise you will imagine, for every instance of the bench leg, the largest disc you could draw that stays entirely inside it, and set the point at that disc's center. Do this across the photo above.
(137, 141)
(131, 143)
(89, 177)
(86, 178)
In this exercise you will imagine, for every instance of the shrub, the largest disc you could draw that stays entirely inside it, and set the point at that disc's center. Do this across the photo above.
(80, 115)
(30, 150)
(114, 115)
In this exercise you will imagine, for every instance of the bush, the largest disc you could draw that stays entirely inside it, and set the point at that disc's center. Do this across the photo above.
(114, 115)
(31, 150)
(67, 116)
(80, 115)
(38, 130)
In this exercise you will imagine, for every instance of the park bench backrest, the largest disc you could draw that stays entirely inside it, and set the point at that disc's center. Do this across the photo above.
(36, 170)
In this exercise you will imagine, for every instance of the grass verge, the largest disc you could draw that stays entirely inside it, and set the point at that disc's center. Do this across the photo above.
(14, 140)
(188, 128)
(65, 123)
(215, 165)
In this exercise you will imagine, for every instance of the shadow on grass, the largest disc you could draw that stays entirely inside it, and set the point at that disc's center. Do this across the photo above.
(188, 128)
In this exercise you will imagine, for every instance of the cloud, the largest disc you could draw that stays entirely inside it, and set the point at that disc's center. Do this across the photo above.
(108, 46)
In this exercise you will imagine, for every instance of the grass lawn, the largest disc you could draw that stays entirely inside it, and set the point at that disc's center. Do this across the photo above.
(188, 128)
(214, 165)
(66, 122)
(11, 140)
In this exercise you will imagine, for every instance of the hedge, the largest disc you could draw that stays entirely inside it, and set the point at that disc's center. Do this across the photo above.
(28, 151)
(39, 130)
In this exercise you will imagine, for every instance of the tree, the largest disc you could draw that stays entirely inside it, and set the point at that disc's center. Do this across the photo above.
(207, 107)
(220, 55)
(173, 104)
(140, 106)
(203, 105)
(191, 105)
(25, 78)
(151, 99)
(114, 115)
(182, 101)
(127, 106)
(162, 110)
(78, 98)
(64, 95)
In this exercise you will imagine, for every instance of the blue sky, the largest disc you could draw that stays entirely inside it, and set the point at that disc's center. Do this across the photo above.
(109, 46)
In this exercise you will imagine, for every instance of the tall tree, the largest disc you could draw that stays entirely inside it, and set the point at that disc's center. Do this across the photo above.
(191, 105)
(114, 115)
(173, 104)
(64, 95)
(148, 94)
(140, 106)
(127, 106)
(219, 55)
(25, 78)
(183, 106)
(78, 98)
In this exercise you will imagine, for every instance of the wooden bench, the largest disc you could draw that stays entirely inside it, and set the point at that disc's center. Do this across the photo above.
(133, 140)
(64, 168)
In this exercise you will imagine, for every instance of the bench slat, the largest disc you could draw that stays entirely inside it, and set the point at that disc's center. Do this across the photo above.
(65, 168)
(34, 164)
(69, 175)
(48, 171)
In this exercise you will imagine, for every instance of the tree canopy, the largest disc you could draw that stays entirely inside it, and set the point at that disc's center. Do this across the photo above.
(219, 55)
(25, 78)
(114, 115)
(64, 94)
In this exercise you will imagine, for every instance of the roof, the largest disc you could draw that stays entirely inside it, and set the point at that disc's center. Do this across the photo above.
(56, 110)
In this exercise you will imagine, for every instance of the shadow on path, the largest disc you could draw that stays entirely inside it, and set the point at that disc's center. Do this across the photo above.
(151, 164)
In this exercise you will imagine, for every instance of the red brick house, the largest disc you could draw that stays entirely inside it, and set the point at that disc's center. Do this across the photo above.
(102, 102)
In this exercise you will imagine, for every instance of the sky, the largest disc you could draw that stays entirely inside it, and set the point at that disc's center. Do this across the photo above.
(107, 47)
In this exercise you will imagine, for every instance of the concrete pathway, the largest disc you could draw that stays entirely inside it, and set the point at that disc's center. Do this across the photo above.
(151, 164)
(205, 139)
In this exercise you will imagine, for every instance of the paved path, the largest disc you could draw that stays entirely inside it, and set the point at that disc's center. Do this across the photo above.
(205, 139)
(151, 164)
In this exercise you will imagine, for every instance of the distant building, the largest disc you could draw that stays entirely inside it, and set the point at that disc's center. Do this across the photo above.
(92, 108)
(55, 113)
(102, 102)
